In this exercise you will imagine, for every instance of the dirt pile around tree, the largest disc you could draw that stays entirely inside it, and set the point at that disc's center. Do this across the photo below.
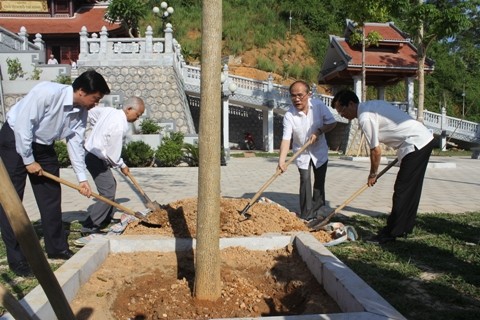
(179, 219)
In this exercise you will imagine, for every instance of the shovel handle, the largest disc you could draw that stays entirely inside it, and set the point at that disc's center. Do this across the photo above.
(99, 197)
(278, 172)
(317, 225)
(136, 184)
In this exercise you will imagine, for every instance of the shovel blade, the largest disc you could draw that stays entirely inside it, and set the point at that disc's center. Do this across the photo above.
(317, 223)
(244, 213)
(153, 206)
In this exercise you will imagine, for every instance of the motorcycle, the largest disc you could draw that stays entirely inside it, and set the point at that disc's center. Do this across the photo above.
(249, 143)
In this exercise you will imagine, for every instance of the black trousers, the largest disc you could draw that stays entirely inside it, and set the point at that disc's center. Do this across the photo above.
(310, 204)
(407, 191)
(47, 194)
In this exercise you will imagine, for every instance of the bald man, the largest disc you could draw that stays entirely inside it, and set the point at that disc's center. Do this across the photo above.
(103, 151)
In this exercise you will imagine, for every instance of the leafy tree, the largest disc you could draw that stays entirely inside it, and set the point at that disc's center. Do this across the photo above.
(431, 21)
(129, 12)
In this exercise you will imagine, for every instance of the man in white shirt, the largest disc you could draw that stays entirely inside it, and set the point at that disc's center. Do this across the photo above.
(104, 150)
(52, 60)
(49, 112)
(381, 122)
(307, 120)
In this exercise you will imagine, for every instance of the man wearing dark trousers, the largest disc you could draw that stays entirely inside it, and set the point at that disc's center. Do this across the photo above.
(307, 120)
(381, 122)
(49, 112)
(104, 150)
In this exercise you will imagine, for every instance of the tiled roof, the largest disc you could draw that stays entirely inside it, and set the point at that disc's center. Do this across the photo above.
(394, 58)
(90, 17)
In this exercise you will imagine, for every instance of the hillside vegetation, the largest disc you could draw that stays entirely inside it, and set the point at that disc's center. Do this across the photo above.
(260, 38)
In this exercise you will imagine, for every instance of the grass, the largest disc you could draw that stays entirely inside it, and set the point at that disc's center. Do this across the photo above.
(433, 274)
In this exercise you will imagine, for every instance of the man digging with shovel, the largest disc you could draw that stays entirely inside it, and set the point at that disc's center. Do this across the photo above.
(49, 112)
(307, 121)
(381, 122)
(103, 151)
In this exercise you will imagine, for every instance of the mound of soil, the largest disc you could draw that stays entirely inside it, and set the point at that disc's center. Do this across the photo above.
(179, 219)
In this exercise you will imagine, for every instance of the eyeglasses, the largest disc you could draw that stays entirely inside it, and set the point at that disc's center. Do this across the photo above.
(299, 96)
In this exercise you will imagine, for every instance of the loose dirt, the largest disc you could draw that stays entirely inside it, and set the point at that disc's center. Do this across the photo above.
(253, 283)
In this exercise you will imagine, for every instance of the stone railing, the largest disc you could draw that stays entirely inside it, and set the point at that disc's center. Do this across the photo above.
(12, 42)
(100, 50)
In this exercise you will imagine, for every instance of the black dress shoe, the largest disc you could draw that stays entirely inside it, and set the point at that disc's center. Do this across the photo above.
(22, 269)
(64, 255)
(381, 239)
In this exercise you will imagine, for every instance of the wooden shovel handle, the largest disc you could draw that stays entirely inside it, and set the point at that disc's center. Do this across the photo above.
(316, 225)
(99, 197)
(136, 184)
(278, 172)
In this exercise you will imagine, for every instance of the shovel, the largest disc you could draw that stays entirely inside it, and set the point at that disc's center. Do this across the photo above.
(142, 216)
(152, 205)
(269, 181)
(318, 223)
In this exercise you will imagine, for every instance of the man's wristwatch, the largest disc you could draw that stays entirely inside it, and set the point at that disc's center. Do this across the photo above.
(372, 175)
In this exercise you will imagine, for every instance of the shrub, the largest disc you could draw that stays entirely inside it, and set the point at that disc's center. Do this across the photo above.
(266, 64)
(149, 126)
(14, 69)
(138, 154)
(63, 79)
(62, 154)
(36, 73)
(170, 153)
(191, 154)
(309, 73)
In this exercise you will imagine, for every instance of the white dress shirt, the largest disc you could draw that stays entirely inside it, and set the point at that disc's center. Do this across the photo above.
(301, 126)
(109, 127)
(47, 114)
(383, 123)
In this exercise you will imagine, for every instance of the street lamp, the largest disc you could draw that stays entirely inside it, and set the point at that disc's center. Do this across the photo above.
(228, 89)
(463, 102)
(164, 12)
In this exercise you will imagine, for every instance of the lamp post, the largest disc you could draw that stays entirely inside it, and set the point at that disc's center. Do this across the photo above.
(463, 102)
(164, 12)
(228, 89)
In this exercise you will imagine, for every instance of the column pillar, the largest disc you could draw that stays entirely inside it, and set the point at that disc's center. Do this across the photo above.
(357, 87)
(381, 93)
(268, 129)
(410, 86)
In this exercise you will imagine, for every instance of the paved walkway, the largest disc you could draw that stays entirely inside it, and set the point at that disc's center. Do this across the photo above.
(451, 185)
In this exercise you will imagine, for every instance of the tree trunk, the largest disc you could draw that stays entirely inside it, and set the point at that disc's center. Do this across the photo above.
(364, 69)
(207, 264)
(421, 70)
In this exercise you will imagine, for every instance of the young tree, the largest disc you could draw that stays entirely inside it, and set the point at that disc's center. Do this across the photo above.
(362, 11)
(207, 266)
(129, 12)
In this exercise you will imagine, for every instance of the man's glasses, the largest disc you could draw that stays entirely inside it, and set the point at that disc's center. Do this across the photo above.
(298, 96)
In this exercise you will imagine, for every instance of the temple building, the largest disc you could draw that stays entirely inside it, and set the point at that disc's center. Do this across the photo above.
(59, 23)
